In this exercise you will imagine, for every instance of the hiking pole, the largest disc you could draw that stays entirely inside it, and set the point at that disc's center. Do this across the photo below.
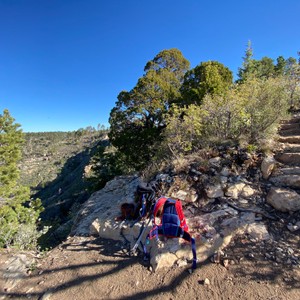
(134, 248)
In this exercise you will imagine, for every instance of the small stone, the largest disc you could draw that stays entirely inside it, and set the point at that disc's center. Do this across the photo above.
(225, 263)
(47, 295)
(292, 227)
(181, 263)
(206, 281)
(243, 201)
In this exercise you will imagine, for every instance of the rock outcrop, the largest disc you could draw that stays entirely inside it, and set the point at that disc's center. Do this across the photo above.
(213, 230)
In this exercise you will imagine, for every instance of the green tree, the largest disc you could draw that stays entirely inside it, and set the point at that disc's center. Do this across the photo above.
(16, 208)
(139, 115)
(292, 75)
(247, 66)
(210, 77)
(263, 68)
(280, 67)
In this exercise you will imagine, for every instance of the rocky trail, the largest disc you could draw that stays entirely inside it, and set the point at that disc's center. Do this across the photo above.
(245, 217)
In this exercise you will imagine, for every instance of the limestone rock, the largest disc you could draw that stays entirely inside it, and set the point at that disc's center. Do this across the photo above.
(95, 228)
(258, 231)
(234, 190)
(105, 204)
(214, 191)
(291, 180)
(225, 172)
(15, 269)
(182, 195)
(283, 199)
(267, 166)
(247, 191)
(215, 161)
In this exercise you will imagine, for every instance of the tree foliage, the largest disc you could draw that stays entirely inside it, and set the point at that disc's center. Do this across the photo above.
(210, 77)
(138, 117)
(173, 110)
(183, 131)
(16, 207)
(249, 112)
(265, 67)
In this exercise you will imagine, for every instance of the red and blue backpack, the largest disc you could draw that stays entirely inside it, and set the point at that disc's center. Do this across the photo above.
(172, 224)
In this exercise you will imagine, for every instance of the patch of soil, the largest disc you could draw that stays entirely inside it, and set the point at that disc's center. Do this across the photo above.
(93, 268)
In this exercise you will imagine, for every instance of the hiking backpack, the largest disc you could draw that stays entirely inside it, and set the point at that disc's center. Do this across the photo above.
(172, 224)
(145, 198)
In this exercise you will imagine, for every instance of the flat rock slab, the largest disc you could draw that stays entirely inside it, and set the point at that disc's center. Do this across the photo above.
(282, 199)
(15, 269)
(291, 131)
(290, 139)
(289, 158)
(291, 147)
(288, 180)
(289, 171)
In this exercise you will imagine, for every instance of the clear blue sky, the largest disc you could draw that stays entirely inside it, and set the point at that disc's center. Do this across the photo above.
(63, 62)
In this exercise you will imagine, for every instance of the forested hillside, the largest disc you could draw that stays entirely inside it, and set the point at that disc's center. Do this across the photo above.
(56, 167)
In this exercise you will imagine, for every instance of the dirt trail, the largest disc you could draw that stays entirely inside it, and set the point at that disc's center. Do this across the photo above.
(90, 268)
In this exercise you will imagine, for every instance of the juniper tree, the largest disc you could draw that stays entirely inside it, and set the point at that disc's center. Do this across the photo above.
(138, 117)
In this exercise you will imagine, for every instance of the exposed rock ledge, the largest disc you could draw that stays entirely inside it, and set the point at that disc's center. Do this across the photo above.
(98, 214)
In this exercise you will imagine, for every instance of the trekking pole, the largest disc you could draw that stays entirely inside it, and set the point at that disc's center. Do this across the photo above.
(134, 248)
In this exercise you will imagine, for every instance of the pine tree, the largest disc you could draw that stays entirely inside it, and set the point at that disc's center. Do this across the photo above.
(17, 210)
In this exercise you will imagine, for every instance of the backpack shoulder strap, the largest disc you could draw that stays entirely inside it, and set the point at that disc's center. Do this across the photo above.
(159, 203)
(179, 210)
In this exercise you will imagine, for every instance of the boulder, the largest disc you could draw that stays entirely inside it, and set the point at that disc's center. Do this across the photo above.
(258, 231)
(283, 199)
(104, 205)
(267, 166)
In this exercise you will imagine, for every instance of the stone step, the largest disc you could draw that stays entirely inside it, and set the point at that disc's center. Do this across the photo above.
(290, 147)
(288, 126)
(288, 171)
(290, 132)
(295, 119)
(289, 158)
(290, 139)
(291, 181)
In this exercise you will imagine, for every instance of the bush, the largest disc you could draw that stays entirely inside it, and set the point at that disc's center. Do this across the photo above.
(248, 113)
(266, 103)
(251, 111)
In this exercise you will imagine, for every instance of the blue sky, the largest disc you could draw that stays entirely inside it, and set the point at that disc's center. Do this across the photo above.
(64, 62)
